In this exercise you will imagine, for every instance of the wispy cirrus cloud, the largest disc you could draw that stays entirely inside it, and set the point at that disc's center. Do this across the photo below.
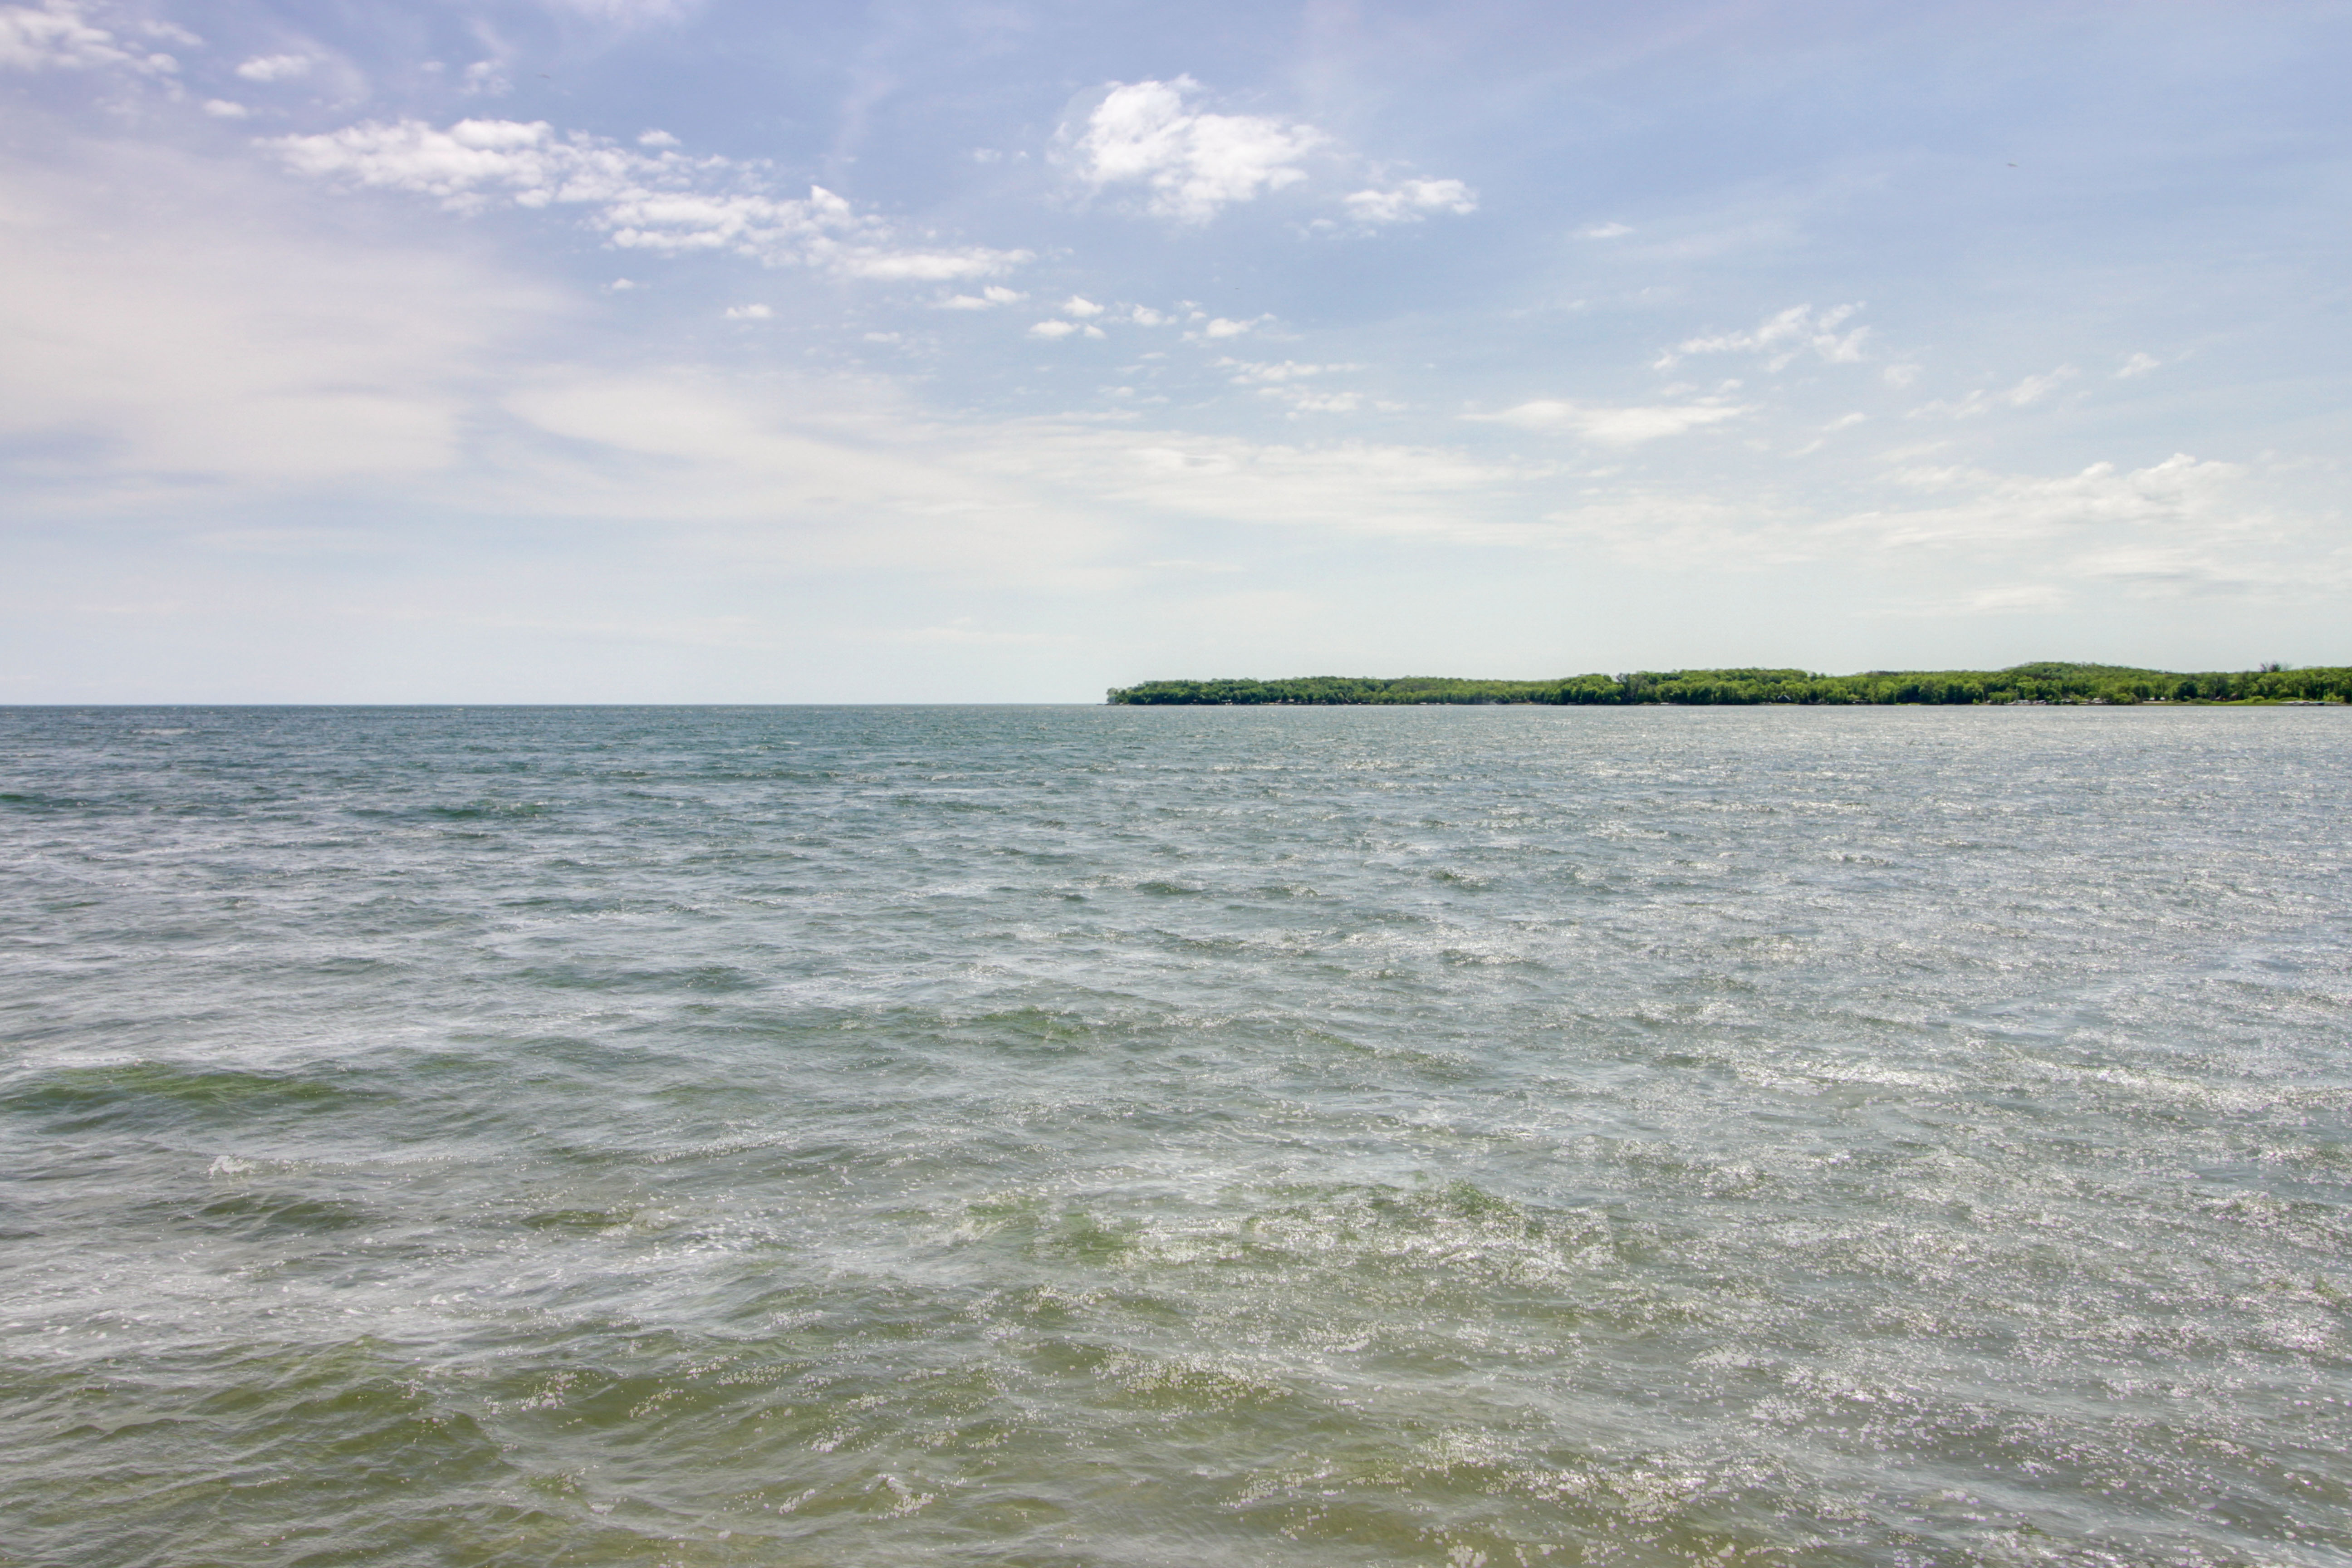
(2029, 391)
(173, 327)
(628, 12)
(1260, 373)
(652, 197)
(1783, 337)
(1367, 488)
(1308, 400)
(1284, 381)
(2182, 527)
(2177, 494)
(1614, 424)
(2006, 542)
(61, 35)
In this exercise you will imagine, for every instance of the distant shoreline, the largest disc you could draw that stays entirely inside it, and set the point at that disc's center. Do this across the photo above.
(2027, 685)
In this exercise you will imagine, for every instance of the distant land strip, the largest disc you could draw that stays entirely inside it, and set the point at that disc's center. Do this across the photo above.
(2024, 683)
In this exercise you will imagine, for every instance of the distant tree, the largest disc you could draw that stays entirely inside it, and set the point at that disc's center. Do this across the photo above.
(2041, 683)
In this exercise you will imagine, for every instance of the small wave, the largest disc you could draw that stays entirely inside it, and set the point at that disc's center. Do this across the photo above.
(488, 810)
(154, 1093)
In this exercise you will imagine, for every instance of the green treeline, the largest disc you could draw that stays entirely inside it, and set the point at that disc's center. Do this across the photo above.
(2020, 683)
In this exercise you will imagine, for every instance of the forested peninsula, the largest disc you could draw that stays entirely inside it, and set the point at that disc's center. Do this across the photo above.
(2026, 683)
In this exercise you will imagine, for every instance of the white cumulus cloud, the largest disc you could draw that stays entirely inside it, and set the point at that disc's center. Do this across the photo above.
(1412, 201)
(661, 201)
(275, 68)
(1223, 327)
(988, 298)
(1193, 162)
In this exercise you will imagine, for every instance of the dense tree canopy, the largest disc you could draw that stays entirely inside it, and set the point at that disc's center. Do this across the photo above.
(2020, 683)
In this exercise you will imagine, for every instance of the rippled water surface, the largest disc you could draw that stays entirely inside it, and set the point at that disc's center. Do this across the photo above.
(1202, 1137)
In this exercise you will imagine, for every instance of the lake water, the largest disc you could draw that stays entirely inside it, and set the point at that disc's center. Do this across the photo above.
(1114, 1136)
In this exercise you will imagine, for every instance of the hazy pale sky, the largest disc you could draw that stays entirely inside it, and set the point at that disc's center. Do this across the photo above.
(655, 351)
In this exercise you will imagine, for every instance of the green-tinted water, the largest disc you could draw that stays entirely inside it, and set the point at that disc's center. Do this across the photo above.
(1137, 1137)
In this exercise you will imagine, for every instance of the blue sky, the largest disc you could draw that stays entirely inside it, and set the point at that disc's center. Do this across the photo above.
(602, 351)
